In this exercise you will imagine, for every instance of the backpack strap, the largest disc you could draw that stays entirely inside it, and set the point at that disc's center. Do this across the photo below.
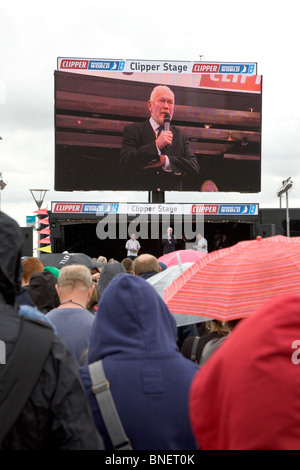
(210, 347)
(23, 369)
(101, 389)
(194, 349)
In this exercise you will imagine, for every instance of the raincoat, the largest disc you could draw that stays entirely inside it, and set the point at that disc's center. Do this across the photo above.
(246, 396)
(57, 414)
(135, 335)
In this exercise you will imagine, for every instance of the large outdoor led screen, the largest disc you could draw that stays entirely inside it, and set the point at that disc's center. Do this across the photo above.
(104, 140)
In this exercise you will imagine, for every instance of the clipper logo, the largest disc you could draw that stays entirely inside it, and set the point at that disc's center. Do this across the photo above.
(204, 209)
(67, 207)
(74, 64)
(224, 68)
(205, 68)
(106, 65)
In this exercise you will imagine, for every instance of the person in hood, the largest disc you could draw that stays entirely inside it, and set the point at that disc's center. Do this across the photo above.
(246, 396)
(57, 414)
(42, 290)
(134, 334)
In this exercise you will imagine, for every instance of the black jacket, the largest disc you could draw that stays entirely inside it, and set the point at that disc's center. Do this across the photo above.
(168, 245)
(57, 414)
(139, 149)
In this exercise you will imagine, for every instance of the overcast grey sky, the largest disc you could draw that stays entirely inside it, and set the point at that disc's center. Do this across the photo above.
(33, 34)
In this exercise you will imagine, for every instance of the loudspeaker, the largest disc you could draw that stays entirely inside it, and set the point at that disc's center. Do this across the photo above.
(27, 249)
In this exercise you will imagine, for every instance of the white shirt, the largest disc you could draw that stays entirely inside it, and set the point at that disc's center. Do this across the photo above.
(201, 245)
(132, 245)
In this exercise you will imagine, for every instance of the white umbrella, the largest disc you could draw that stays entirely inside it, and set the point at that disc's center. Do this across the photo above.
(164, 279)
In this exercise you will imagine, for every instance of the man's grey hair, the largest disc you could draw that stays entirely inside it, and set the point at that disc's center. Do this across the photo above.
(160, 87)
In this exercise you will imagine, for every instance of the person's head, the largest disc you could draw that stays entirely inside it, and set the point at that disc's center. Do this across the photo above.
(222, 328)
(42, 290)
(199, 236)
(170, 230)
(74, 280)
(102, 260)
(161, 102)
(108, 272)
(145, 263)
(128, 265)
(132, 236)
(30, 266)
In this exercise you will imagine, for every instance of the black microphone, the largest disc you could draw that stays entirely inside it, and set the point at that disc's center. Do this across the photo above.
(167, 121)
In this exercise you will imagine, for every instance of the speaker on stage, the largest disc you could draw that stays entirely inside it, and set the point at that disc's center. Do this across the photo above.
(27, 249)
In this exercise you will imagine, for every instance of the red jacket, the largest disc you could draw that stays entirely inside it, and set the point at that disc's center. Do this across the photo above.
(247, 395)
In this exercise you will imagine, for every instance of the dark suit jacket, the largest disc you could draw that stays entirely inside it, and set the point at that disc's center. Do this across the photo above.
(168, 245)
(139, 149)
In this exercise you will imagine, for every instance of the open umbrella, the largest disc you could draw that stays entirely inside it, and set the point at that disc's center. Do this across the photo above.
(161, 281)
(183, 256)
(233, 282)
(58, 260)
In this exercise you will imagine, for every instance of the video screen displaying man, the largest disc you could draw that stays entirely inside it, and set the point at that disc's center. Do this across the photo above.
(155, 155)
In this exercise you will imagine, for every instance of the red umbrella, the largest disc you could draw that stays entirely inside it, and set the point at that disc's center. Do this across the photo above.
(181, 256)
(233, 282)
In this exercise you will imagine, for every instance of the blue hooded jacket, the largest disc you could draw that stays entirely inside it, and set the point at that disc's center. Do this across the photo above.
(135, 335)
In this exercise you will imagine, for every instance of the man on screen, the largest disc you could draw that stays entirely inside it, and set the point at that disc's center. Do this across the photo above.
(157, 159)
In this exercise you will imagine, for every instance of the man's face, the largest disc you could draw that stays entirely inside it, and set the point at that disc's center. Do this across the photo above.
(162, 104)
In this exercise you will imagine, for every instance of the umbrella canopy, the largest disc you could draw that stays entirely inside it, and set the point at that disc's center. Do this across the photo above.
(58, 260)
(233, 282)
(181, 256)
(164, 279)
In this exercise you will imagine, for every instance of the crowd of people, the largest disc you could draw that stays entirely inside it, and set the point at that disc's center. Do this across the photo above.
(175, 388)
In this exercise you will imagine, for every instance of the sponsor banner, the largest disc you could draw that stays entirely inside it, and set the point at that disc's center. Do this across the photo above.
(238, 209)
(84, 208)
(225, 209)
(149, 66)
(66, 207)
(154, 209)
(246, 83)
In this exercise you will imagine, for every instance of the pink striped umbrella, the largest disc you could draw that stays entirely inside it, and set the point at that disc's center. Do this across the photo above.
(181, 256)
(233, 282)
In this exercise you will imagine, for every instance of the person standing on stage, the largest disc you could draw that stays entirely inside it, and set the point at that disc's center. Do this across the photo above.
(169, 241)
(133, 247)
(201, 243)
